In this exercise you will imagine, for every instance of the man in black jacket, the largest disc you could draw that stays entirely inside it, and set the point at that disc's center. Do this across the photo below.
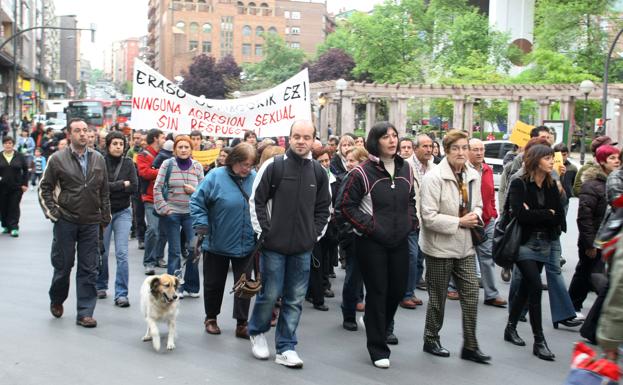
(290, 210)
(74, 195)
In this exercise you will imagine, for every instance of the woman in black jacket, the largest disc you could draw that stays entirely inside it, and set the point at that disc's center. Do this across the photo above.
(378, 201)
(122, 183)
(535, 202)
(13, 183)
(338, 162)
(591, 211)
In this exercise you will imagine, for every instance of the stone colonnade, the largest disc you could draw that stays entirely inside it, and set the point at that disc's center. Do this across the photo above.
(463, 96)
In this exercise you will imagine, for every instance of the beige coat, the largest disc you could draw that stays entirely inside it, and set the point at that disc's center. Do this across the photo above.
(440, 234)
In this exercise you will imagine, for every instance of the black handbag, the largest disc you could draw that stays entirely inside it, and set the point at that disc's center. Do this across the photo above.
(506, 238)
(478, 233)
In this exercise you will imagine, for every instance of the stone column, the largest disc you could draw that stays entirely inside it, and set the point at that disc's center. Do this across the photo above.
(468, 123)
(370, 114)
(348, 113)
(614, 128)
(567, 112)
(331, 111)
(543, 110)
(401, 115)
(513, 113)
(392, 109)
(457, 115)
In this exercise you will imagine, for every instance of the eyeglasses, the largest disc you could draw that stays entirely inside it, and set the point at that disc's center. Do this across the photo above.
(246, 166)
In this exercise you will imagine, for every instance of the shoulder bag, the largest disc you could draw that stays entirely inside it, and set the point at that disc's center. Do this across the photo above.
(506, 237)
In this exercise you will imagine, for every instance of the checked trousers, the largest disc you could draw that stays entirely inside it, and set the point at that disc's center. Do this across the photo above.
(438, 273)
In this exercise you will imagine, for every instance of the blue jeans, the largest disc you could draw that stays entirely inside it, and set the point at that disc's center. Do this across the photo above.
(414, 268)
(560, 303)
(151, 235)
(286, 276)
(120, 225)
(173, 224)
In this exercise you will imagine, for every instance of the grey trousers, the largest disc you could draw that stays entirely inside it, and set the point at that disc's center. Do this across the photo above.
(438, 273)
(487, 265)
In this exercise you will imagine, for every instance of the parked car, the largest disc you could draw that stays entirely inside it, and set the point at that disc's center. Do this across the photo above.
(495, 150)
(56, 124)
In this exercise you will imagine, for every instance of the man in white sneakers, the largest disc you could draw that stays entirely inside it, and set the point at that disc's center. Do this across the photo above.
(290, 211)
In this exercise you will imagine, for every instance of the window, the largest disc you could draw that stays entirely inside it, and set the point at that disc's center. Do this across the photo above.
(295, 31)
(272, 30)
(227, 35)
(241, 8)
(286, 14)
(247, 31)
(207, 28)
(193, 27)
(246, 50)
(259, 51)
(206, 46)
(492, 150)
(295, 15)
(192, 45)
(252, 8)
(265, 10)
(295, 44)
(180, 24)
(259, 31)
(227, 23)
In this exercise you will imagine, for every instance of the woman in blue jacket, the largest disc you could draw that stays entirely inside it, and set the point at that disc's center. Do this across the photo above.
(220, 211)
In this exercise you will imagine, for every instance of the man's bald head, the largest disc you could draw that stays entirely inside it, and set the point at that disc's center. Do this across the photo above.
(476, 152)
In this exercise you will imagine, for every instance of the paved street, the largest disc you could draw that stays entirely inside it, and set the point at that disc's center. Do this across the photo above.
(39, 349)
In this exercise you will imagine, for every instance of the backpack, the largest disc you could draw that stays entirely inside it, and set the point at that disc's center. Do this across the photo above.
(277, 174)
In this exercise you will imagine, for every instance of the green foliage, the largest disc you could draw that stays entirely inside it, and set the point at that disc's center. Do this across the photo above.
(552, 67)
(126, 88)
(96, 75)
(280, 63)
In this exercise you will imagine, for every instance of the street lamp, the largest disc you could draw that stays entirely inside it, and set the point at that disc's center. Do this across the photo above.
(322, 101)
(340, 85)
(586, 87)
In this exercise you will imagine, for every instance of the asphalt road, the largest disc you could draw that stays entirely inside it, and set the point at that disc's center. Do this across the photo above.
(39, 349)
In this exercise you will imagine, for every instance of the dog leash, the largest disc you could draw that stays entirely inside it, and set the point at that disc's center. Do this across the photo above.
(195, 258)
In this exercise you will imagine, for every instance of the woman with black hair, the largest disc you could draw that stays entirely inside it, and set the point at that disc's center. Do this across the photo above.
(122, 183)
(534, 200)
(377, 199)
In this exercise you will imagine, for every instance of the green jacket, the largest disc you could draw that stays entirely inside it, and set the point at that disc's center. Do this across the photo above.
(577, 183)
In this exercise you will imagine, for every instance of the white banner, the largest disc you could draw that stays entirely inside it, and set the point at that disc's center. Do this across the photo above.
(159, 103)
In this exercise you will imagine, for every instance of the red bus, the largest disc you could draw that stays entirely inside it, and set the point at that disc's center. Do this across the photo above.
(96, 113)
(123, 110)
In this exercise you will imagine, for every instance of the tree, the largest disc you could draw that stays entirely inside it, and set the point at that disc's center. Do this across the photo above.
(213, 80)
(333, 64)
(279, 64)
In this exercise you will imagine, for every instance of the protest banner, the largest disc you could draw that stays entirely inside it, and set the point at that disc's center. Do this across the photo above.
(160, 103)
(206, 157)
(558, 161)
(521, 133)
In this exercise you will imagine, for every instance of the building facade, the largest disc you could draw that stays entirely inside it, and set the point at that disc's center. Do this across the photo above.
(181, 30)
(123, 55)
(70, 49)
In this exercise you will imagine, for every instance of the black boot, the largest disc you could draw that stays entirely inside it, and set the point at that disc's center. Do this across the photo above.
(540, 348)
(510, 335)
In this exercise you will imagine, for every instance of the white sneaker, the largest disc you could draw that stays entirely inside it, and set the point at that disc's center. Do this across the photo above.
(180, 294)
(259, 347)
(382, 363)
(290, 359)
(579, 316)
(191, 295)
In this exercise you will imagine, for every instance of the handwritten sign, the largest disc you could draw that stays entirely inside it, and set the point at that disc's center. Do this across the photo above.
(206, 157)
(159, 103)
(521, 133)
(558, 162)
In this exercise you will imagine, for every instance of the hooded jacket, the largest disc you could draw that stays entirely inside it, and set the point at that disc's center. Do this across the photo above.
(296, 217)
(592, 206)
(147, 173)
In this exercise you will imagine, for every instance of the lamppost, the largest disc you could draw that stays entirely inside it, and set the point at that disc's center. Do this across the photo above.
(322, 100)
(340, 85)
(586, 87)
(604, 99)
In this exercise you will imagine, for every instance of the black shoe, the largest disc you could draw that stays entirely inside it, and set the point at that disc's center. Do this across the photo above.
(350, 325)
(329, 293)
(544, 286)
(436, 349)
(141, 245)
(570, 323)
(541, 350)
(523, 318)
(321, 307)
(510, 335)
(332, 275)
(562, 262)
(475, 355)
(391, 339)
(506, 275)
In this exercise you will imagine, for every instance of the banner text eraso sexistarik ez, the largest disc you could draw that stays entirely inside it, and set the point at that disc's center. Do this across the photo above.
(159, 103)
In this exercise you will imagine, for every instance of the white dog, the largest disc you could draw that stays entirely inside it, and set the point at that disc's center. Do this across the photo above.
(159, 302)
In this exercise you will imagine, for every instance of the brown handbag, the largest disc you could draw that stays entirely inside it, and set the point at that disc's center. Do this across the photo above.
(247, 288)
